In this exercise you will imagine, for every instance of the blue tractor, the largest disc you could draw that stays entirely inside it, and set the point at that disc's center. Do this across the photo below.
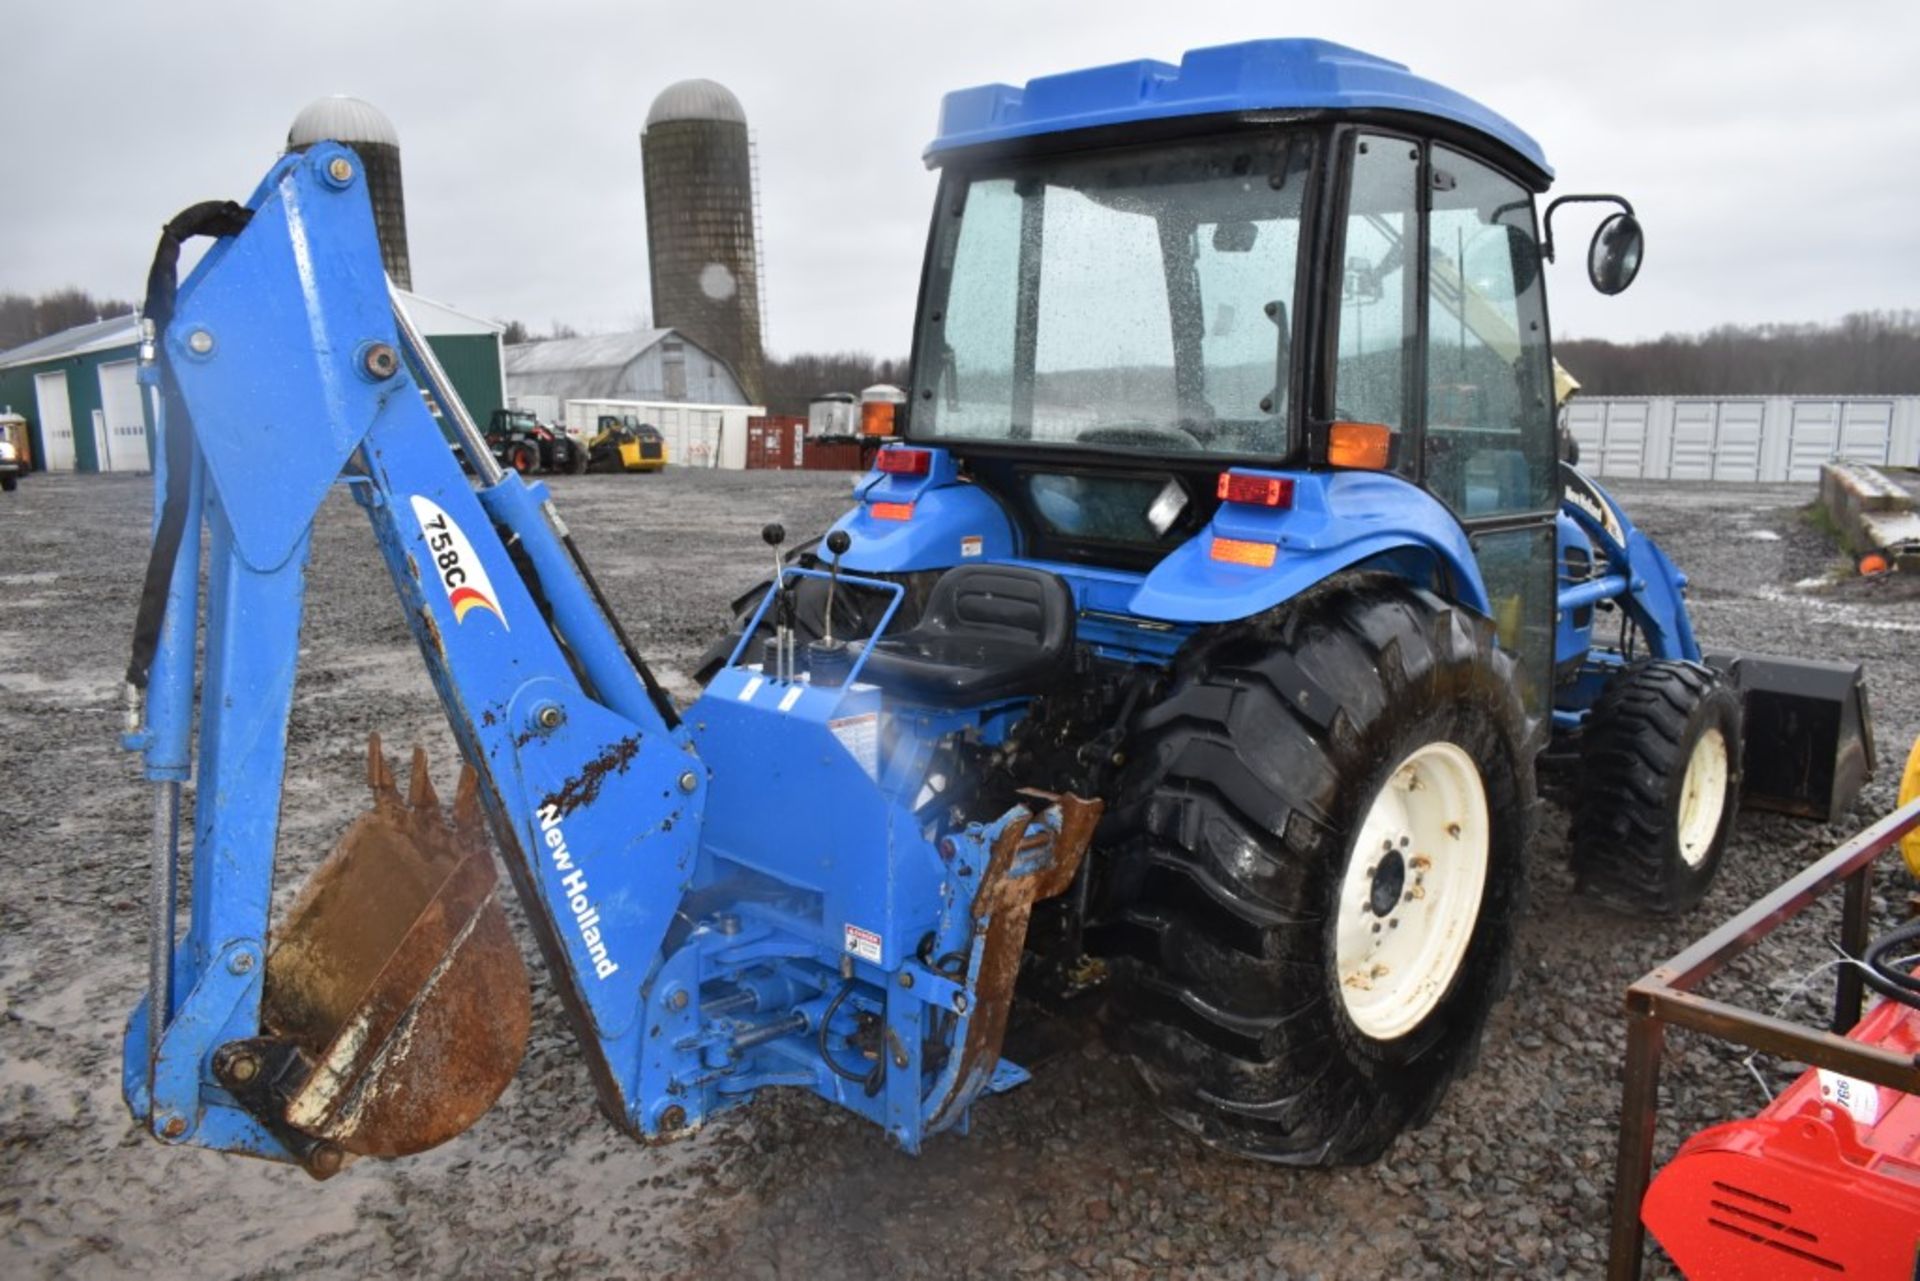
(1194, 652)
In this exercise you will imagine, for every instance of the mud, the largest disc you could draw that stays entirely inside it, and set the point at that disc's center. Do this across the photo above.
(1071, 1175)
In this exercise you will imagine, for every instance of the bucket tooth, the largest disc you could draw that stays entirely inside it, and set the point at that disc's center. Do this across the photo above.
(420, 793)
(396, 976)
(381, 774)
(468, 820)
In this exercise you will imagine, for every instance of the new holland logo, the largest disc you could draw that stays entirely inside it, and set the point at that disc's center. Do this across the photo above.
(461, 573)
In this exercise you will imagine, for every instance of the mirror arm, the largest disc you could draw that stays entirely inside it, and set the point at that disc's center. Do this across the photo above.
(1546, 250)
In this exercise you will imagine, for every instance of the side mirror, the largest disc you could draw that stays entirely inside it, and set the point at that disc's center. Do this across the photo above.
(1502, 259)
(1235, 237)
(1613, 260)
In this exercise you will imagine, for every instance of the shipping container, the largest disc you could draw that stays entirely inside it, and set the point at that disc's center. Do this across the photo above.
(696, 435)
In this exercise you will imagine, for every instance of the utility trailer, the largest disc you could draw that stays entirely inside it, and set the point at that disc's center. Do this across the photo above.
(1193, 653)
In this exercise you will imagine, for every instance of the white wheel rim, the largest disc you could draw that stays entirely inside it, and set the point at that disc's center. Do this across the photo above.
(1411, 893)
(1703, 796)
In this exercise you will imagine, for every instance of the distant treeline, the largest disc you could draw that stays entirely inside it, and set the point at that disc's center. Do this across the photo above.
(23, 319)
(792, 381)
(1866, 353)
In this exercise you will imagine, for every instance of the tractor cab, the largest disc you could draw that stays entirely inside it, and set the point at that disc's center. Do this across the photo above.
(1279, 258)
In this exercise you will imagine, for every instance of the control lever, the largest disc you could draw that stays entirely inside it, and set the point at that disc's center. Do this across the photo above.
(776, 659)
(828, 659)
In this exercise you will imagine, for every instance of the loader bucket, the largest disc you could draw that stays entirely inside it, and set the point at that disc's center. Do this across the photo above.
(1809, 739)
(395, 995)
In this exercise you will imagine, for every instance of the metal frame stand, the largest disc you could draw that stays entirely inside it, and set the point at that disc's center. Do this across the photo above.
(1667, 995)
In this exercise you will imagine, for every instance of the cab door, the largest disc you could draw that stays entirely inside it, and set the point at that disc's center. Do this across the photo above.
(1441, 336)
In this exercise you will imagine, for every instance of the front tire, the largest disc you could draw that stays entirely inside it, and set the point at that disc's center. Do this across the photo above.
(1659, 787)
(1263, 786)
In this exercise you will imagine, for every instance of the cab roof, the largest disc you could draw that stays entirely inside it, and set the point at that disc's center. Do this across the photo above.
(1256, 75)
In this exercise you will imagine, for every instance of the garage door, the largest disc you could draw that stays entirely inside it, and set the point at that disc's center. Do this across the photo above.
(126, 423)
(56, 420)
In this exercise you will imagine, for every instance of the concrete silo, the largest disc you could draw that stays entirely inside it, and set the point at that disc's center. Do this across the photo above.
(700, 224)
(361, 126)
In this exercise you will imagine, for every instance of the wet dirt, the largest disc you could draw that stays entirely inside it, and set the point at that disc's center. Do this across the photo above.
(1071, 1175)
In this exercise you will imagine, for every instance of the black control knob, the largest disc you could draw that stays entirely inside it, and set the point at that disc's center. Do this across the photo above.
(838, 542)
(773, 534)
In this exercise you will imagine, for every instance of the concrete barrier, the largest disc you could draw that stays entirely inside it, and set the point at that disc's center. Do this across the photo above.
(1872, 511)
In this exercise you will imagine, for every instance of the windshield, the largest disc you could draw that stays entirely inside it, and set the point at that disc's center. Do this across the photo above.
(1131, 299)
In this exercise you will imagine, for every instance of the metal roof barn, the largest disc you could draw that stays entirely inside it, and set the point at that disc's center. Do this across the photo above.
(645, 364)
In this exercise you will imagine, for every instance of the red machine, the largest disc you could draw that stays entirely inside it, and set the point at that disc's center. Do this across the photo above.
(1824, 1182)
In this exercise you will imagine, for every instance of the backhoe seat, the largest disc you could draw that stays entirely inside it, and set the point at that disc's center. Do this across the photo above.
(989, 632)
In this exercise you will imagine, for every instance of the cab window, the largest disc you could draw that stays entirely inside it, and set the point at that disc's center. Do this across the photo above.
(1489, 421)
(1378, 306)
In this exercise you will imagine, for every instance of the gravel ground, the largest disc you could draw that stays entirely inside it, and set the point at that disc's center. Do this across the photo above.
(1072, 1175)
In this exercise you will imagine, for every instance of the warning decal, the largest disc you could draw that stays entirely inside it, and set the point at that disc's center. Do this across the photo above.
(860, 735)
(971, 545)
(864, 944)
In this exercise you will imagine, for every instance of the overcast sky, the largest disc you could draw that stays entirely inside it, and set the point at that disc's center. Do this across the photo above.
(1772, 149)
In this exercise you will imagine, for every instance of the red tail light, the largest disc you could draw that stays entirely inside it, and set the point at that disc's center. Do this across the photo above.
(903, 462)
(1255, 491)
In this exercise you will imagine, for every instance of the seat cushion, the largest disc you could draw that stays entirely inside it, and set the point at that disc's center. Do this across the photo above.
(989, 632)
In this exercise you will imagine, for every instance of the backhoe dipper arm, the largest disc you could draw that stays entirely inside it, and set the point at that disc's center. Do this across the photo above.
(283, 375)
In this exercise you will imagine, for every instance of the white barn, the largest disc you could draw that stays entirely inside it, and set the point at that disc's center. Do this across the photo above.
(644, 365)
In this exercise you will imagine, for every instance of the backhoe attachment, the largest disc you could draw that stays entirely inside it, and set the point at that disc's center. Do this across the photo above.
(776, 890)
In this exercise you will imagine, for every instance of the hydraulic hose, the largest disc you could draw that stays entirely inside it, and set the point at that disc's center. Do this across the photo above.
(1884, 971)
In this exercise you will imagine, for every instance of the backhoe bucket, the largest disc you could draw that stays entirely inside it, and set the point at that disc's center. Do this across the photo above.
(1809, 739)
(396, 1006)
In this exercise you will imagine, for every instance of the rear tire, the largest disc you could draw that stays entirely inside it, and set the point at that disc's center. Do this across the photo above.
(1659, 787)
(1281, 745)
(576, 458)
(523, 457)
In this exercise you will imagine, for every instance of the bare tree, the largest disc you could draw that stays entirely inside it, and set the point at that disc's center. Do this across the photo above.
(792, 381)
(1874, 353)
(24, 318)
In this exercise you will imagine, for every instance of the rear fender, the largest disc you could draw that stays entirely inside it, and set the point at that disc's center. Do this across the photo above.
(1337, 520)
(905, 523)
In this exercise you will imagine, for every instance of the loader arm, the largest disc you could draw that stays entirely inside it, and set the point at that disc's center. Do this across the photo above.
(283, 378)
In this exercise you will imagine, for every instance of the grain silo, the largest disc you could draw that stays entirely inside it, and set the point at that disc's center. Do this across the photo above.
(361, 126)
(700, 224)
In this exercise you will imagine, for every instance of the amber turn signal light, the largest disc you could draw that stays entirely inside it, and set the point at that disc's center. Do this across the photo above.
(1367, 445)
(1238, 551)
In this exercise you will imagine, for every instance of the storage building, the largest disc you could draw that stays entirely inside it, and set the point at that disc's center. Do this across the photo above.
(647, 365)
